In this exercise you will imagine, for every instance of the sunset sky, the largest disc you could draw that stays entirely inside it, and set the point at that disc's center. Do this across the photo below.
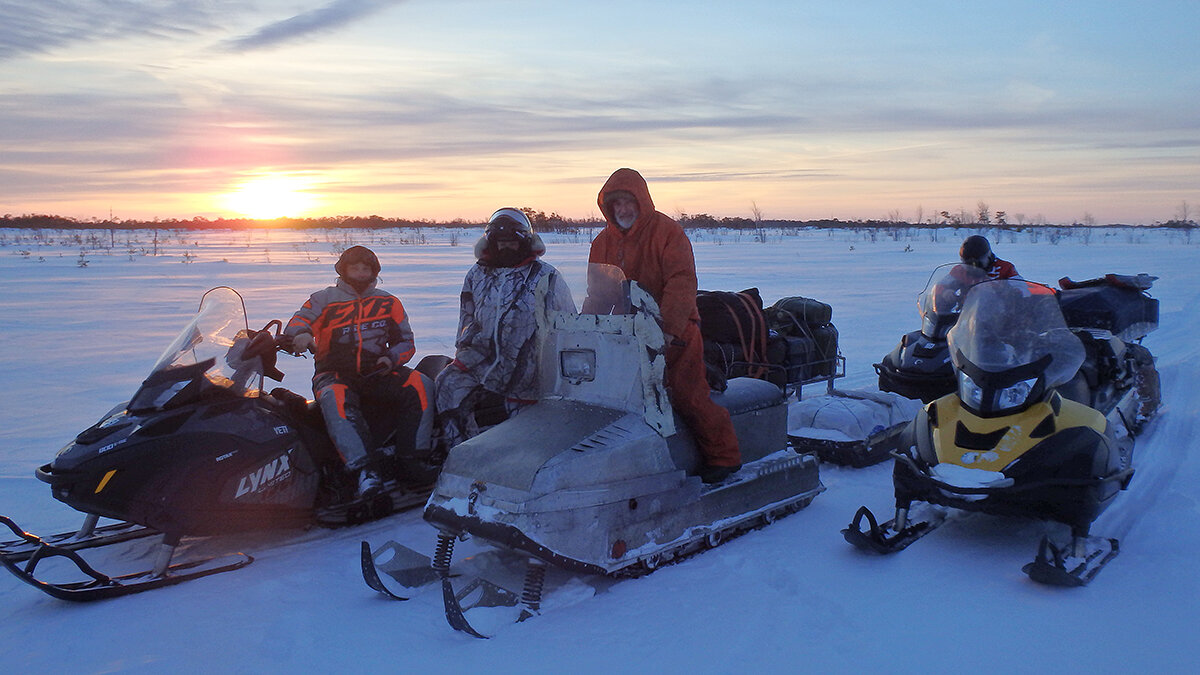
(441, 109)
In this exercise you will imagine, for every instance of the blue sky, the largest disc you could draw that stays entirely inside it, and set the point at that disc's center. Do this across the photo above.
(1050, 111)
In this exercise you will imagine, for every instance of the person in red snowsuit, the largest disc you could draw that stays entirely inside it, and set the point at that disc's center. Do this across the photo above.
(652, 249)
(977, 252)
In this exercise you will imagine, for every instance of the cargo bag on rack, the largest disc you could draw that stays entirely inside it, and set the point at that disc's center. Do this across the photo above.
(734, 330)
(812, 340)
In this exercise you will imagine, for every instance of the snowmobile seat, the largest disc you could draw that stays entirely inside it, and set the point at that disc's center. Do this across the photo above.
(759, 414)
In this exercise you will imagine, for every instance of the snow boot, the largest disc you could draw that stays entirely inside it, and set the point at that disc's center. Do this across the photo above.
(715, 474)
(369, 484)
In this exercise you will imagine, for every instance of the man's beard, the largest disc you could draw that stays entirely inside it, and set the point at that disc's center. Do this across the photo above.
(625, 223)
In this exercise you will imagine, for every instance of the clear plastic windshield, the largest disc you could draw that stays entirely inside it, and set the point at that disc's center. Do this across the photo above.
(1009, 323)
(942, 300)
(607, 290)
(207, 353)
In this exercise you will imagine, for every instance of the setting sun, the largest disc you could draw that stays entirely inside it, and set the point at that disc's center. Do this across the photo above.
(266, 197)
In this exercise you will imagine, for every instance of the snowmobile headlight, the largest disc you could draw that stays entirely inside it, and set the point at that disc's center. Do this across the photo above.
(1014, 396)
(578, 365)
(970, 393)
(990, 401)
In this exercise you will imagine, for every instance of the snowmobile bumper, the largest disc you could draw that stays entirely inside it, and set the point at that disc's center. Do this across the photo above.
(1073, 501)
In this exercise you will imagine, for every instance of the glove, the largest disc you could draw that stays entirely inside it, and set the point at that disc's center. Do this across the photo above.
(302, 343)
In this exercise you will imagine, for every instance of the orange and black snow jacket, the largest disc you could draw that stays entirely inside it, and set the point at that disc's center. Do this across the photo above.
(354, 329)
(655, 252)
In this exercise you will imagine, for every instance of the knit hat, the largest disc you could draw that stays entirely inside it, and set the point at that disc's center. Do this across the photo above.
(357, 254)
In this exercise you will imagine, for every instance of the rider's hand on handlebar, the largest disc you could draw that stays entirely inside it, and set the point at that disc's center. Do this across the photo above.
(302, 343)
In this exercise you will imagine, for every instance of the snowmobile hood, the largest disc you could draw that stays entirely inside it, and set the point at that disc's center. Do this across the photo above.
(513, 453)
(993, 443)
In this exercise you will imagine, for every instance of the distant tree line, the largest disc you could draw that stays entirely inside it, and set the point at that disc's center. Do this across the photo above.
(553, 222)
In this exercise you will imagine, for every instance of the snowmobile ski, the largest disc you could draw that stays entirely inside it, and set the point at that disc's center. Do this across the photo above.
(1073, 565)
(101, 586)
(405, 566)
(88, 536)
(480, 591)
(885, 539)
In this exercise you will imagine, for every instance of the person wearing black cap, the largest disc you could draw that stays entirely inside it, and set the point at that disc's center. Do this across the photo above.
(495, 368)
(362, 340)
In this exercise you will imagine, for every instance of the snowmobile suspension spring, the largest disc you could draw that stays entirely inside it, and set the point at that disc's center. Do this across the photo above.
(531, 594)
(443, 553)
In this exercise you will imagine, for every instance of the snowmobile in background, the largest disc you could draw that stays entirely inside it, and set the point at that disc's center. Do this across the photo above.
(920, 366)
(1041, 425)
(201, 450)
(598, 477)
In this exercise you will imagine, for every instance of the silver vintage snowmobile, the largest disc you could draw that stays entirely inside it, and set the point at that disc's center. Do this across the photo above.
(598, 477)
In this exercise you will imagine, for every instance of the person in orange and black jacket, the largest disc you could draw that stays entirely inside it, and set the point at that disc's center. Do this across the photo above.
(653, 250)
(362, 340)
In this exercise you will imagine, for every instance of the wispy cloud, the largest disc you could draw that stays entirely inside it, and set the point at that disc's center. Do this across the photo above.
(321, 20)
(44, 26)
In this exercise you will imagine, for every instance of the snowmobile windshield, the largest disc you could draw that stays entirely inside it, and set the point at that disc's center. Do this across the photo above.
(942, 300)
(1015, 326)
(607, 291)
(206, 354)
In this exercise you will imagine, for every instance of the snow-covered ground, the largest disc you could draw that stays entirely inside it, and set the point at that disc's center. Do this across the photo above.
(78, 332)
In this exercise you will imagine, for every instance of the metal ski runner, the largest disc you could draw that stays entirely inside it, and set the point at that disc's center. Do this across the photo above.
(405, 566)
(486, 593)
(101, 586)
(885, 539)
(88, 536)
(1073, 565)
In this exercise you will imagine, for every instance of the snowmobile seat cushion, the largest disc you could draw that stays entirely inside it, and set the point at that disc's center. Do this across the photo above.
(758, 411)
(747, 394)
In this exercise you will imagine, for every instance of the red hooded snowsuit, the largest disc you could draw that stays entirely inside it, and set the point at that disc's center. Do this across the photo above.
(656, 253)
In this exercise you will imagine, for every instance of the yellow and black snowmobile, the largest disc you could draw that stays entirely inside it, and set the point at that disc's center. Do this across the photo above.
(1041, 425)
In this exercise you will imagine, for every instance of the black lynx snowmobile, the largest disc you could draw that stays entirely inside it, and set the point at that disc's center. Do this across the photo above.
(201, 450)
(919, 367)
(1041, 425)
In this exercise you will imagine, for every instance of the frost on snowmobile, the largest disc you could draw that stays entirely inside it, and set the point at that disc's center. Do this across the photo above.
(920, 367)
(598, 476)
(200, 450)
(1041, 426)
